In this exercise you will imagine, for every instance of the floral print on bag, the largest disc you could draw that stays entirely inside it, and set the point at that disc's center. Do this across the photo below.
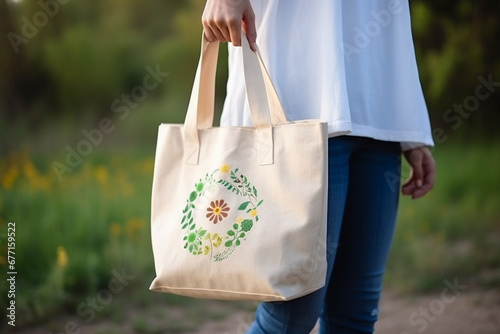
(197, 239)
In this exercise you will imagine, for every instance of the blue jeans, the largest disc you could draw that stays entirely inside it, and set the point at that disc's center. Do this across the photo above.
(363, 198)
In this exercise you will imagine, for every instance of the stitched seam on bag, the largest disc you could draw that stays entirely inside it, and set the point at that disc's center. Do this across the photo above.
(172, 289)
(325, 203)
(315, 260)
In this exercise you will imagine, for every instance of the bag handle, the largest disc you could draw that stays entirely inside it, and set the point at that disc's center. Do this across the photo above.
(265, 106)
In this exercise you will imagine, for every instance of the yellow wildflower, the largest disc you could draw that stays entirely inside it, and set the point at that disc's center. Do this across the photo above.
(147, 166)
(62, 257)
(126, 188)
(30, 170)
(9, 177)
(115, 229)
(134, 225)
(101, 175)
(253, 213)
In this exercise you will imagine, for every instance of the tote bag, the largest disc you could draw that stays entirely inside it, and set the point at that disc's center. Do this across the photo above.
(239, 213)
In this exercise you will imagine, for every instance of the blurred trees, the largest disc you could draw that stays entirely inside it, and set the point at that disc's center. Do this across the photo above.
(62, 58)
(68, 57)
(457, 45)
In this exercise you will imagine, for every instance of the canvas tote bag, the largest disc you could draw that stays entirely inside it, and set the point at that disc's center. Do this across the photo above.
(239, 213)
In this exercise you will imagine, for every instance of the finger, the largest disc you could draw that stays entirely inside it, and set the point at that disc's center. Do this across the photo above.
(415, 159)
(419, 192)
(225, 33)
(250, 29)
(210, 36)
(214, 28)
(429, 179)
(235, 33)
(409, 189)
(219, 35)
(430, 170)
(409, 180)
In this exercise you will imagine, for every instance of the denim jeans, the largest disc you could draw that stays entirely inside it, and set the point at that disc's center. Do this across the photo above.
(363, 198)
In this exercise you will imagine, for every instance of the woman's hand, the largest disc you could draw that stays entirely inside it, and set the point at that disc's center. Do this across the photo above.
(223, 20)
(423, 172)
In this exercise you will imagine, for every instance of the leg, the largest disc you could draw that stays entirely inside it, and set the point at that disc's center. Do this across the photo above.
(351, 302)
(300, 315)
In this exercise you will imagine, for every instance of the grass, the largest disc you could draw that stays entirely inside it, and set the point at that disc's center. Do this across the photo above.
(454, 231)
(71, 235)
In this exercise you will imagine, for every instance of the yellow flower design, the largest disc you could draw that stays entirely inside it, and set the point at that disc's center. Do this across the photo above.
(225, 169)
(217, 240)
(253, 213)
(239, 220)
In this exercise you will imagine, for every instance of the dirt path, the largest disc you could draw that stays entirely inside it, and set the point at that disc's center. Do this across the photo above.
(458, 312)
(469, 312)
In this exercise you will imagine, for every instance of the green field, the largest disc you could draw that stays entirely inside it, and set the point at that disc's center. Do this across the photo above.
(73, 235)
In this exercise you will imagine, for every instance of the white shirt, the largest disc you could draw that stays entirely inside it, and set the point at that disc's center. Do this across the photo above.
(348, 62)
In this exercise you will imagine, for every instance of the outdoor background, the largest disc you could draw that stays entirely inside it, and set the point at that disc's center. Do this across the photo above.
(78, 131)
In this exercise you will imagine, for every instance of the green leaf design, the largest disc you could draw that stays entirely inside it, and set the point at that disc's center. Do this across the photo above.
(228, 243)
(235, 226)
(237, 243)
(246, 225)
(242, 235)
(260, 202)
(230, 233)
(255, 191)
(199, 187)
(243, 205)
(192, 237)
(193, 196)
(202, 233)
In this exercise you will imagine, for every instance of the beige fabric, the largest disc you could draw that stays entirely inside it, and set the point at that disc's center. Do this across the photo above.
(239, 213)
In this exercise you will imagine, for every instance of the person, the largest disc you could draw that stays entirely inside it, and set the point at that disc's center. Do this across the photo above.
(351, 63)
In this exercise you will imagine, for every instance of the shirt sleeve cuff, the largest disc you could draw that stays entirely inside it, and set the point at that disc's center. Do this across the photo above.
(409, 145)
